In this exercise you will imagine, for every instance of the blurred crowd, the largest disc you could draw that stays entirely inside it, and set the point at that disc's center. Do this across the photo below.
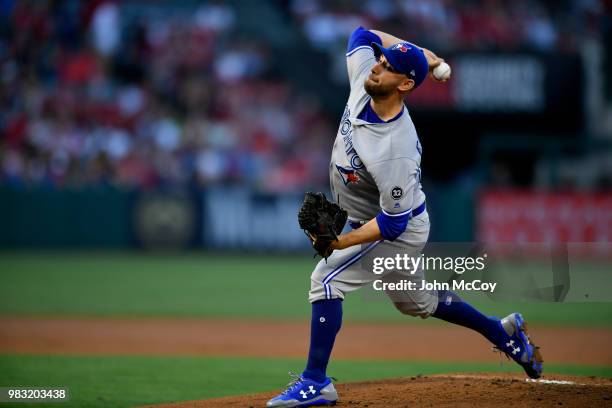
(105, 93)
(455, 25)
(150, 94)
(452, 25)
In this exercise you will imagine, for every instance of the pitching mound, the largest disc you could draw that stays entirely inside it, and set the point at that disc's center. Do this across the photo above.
(461, 390)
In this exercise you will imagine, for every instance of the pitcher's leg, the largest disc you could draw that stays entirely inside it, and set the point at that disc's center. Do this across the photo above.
(411, 302)
(343, 272)
(329, 282)
(325, 324)
(453, 309)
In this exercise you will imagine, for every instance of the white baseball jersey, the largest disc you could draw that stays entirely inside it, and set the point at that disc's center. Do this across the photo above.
(374, 166)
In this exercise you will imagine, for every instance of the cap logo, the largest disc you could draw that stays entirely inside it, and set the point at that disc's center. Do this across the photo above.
(401, 47)
(412, 73)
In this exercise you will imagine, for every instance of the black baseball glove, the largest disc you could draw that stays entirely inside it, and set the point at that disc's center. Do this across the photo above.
(322, 221)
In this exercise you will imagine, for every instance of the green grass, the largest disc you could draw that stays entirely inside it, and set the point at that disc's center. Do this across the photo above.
(135, 380)
(207, 285)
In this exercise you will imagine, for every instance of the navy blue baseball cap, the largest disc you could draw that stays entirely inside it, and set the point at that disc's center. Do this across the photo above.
(405, 58)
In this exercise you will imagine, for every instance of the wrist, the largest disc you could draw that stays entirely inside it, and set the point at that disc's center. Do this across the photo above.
(339, 243)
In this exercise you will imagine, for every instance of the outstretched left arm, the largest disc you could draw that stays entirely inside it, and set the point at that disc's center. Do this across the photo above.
(369, 232)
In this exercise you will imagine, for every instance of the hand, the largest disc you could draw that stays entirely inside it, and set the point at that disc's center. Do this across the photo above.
(322, 246)
(433, 60)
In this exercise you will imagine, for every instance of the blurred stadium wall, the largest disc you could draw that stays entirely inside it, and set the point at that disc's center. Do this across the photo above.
(201, 123)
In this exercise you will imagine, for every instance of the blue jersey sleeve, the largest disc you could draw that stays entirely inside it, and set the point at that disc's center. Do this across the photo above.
(392, 226)
(361, 38)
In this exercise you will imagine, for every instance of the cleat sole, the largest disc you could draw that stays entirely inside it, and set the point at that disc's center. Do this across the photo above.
(537, 355)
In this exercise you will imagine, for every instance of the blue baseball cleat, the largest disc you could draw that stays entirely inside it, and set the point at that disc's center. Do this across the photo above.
(517, 345)
(302, 392)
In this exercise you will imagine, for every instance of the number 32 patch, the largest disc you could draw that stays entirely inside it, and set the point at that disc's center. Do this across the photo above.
(397, 193)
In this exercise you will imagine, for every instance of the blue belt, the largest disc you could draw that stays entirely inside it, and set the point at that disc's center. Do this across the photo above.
(417, 211)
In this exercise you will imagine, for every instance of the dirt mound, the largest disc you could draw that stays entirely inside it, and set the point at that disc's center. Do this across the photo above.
(74, 335)
(461, 390)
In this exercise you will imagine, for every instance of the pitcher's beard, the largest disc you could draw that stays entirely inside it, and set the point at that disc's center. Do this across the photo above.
(376, 90)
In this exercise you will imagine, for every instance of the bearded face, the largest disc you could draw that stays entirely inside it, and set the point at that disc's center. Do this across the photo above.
(383, 80)
(379, 89)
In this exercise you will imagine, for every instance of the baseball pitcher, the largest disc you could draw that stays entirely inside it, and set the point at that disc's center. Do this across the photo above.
(375, 178)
